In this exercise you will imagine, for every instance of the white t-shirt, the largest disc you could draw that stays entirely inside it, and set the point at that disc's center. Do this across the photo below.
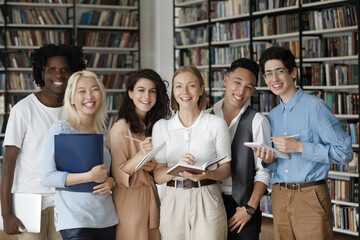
(26, 129)
(206, 139)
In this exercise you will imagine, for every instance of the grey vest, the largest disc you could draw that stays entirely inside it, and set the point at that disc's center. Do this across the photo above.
(242, 163)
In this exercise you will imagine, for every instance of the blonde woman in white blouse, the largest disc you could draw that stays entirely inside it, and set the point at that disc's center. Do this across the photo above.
(192, 206)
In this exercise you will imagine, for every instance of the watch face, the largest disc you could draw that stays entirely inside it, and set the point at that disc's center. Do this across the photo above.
(250, 210)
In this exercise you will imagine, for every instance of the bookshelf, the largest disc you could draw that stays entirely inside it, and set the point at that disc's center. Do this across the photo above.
(323, 36)
(109, 32)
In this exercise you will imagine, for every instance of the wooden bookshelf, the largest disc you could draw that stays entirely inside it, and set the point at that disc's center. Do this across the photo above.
(114, 38)
(341, 31)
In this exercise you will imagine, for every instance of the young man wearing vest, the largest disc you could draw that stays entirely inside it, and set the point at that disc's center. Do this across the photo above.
(300, 197)
(242, 191)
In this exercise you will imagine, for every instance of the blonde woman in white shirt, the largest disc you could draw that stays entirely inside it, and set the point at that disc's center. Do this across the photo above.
(192, 206)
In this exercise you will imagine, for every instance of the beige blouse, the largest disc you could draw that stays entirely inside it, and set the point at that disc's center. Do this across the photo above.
(123, 150)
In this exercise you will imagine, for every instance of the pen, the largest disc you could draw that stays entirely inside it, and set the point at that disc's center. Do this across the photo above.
(132, 138)
(290, 136)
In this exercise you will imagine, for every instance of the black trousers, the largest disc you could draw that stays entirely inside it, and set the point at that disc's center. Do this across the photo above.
(108, 233)
(251, 230)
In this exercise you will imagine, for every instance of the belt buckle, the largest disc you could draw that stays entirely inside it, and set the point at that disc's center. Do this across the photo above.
(185, 187)
(292, 186)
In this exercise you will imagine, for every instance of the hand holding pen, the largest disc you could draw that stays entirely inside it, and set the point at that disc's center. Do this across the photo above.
(288, 144)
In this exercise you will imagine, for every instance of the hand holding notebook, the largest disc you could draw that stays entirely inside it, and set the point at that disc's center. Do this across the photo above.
(278, 153)
(149, 156)
(181, 167)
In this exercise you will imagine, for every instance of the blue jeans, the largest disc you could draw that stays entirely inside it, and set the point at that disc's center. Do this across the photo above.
(108, 233)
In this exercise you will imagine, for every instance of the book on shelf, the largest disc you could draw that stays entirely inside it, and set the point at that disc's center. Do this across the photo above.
(109, 18)
(351, 167)
(36, 37)
(229, 8)
(344, 190)
(193, 14)
(331, 18)
(109, 2)
(114, 101)
(194, 169)
(346, 217)
(187, 36)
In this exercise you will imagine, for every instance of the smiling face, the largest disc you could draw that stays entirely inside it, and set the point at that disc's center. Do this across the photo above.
(56, 74)
(280, 84)
(187, 90)
(87, 96)
(143, 96)
(240, 86)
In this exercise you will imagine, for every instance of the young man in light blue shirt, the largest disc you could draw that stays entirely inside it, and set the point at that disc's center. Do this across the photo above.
(300, 198)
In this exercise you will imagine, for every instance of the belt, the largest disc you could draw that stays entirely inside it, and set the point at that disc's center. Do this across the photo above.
(187, 184)
(295, 186)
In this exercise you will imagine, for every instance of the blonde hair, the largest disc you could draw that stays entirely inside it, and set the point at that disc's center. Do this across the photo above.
(191, 69)
(70, 113)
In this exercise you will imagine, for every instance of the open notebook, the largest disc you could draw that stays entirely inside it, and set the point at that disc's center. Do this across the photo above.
(27, 207)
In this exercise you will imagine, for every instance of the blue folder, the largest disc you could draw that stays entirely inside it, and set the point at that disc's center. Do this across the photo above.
(78, 153)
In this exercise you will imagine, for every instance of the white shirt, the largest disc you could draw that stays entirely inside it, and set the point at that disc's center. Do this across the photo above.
(206, 139)
(261, 134)
(27, 127)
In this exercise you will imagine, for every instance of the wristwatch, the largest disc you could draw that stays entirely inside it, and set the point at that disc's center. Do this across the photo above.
(250, 210)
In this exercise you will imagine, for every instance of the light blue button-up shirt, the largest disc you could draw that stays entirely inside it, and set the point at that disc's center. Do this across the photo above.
(325, 142)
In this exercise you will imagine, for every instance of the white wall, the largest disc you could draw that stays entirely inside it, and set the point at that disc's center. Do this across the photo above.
(156, 36)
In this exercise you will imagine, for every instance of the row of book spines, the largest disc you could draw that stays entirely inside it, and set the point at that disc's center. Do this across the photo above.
(330, 18)
(330, 75)
(21, 81)
(344, 190)
(114, 81)
(351, 167)
(273, 25)
(193, 13)
(194, 56)
(191, 36)
(37, 37)
(231, 31)
(129, 3)
(221, 56)
(114, 101)
(330, 46)
(36, 16)
(265, 204)
(109, 18)
(342, 103)
(268, 101)
(229, 8)
(345, 217)
(18, 59)
(109, 60)
(352, 129)
(99, 39)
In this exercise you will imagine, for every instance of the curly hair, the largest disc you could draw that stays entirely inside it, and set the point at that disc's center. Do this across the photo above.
(39, 57)
(161, 109)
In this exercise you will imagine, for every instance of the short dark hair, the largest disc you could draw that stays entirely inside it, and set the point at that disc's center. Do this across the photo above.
(245, 63)
(278, 53)
(161, 109)
(39, 57)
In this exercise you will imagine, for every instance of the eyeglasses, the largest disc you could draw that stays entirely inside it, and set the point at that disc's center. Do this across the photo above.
(280, 72)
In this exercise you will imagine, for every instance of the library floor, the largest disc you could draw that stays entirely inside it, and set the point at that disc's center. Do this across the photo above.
(267, 233)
